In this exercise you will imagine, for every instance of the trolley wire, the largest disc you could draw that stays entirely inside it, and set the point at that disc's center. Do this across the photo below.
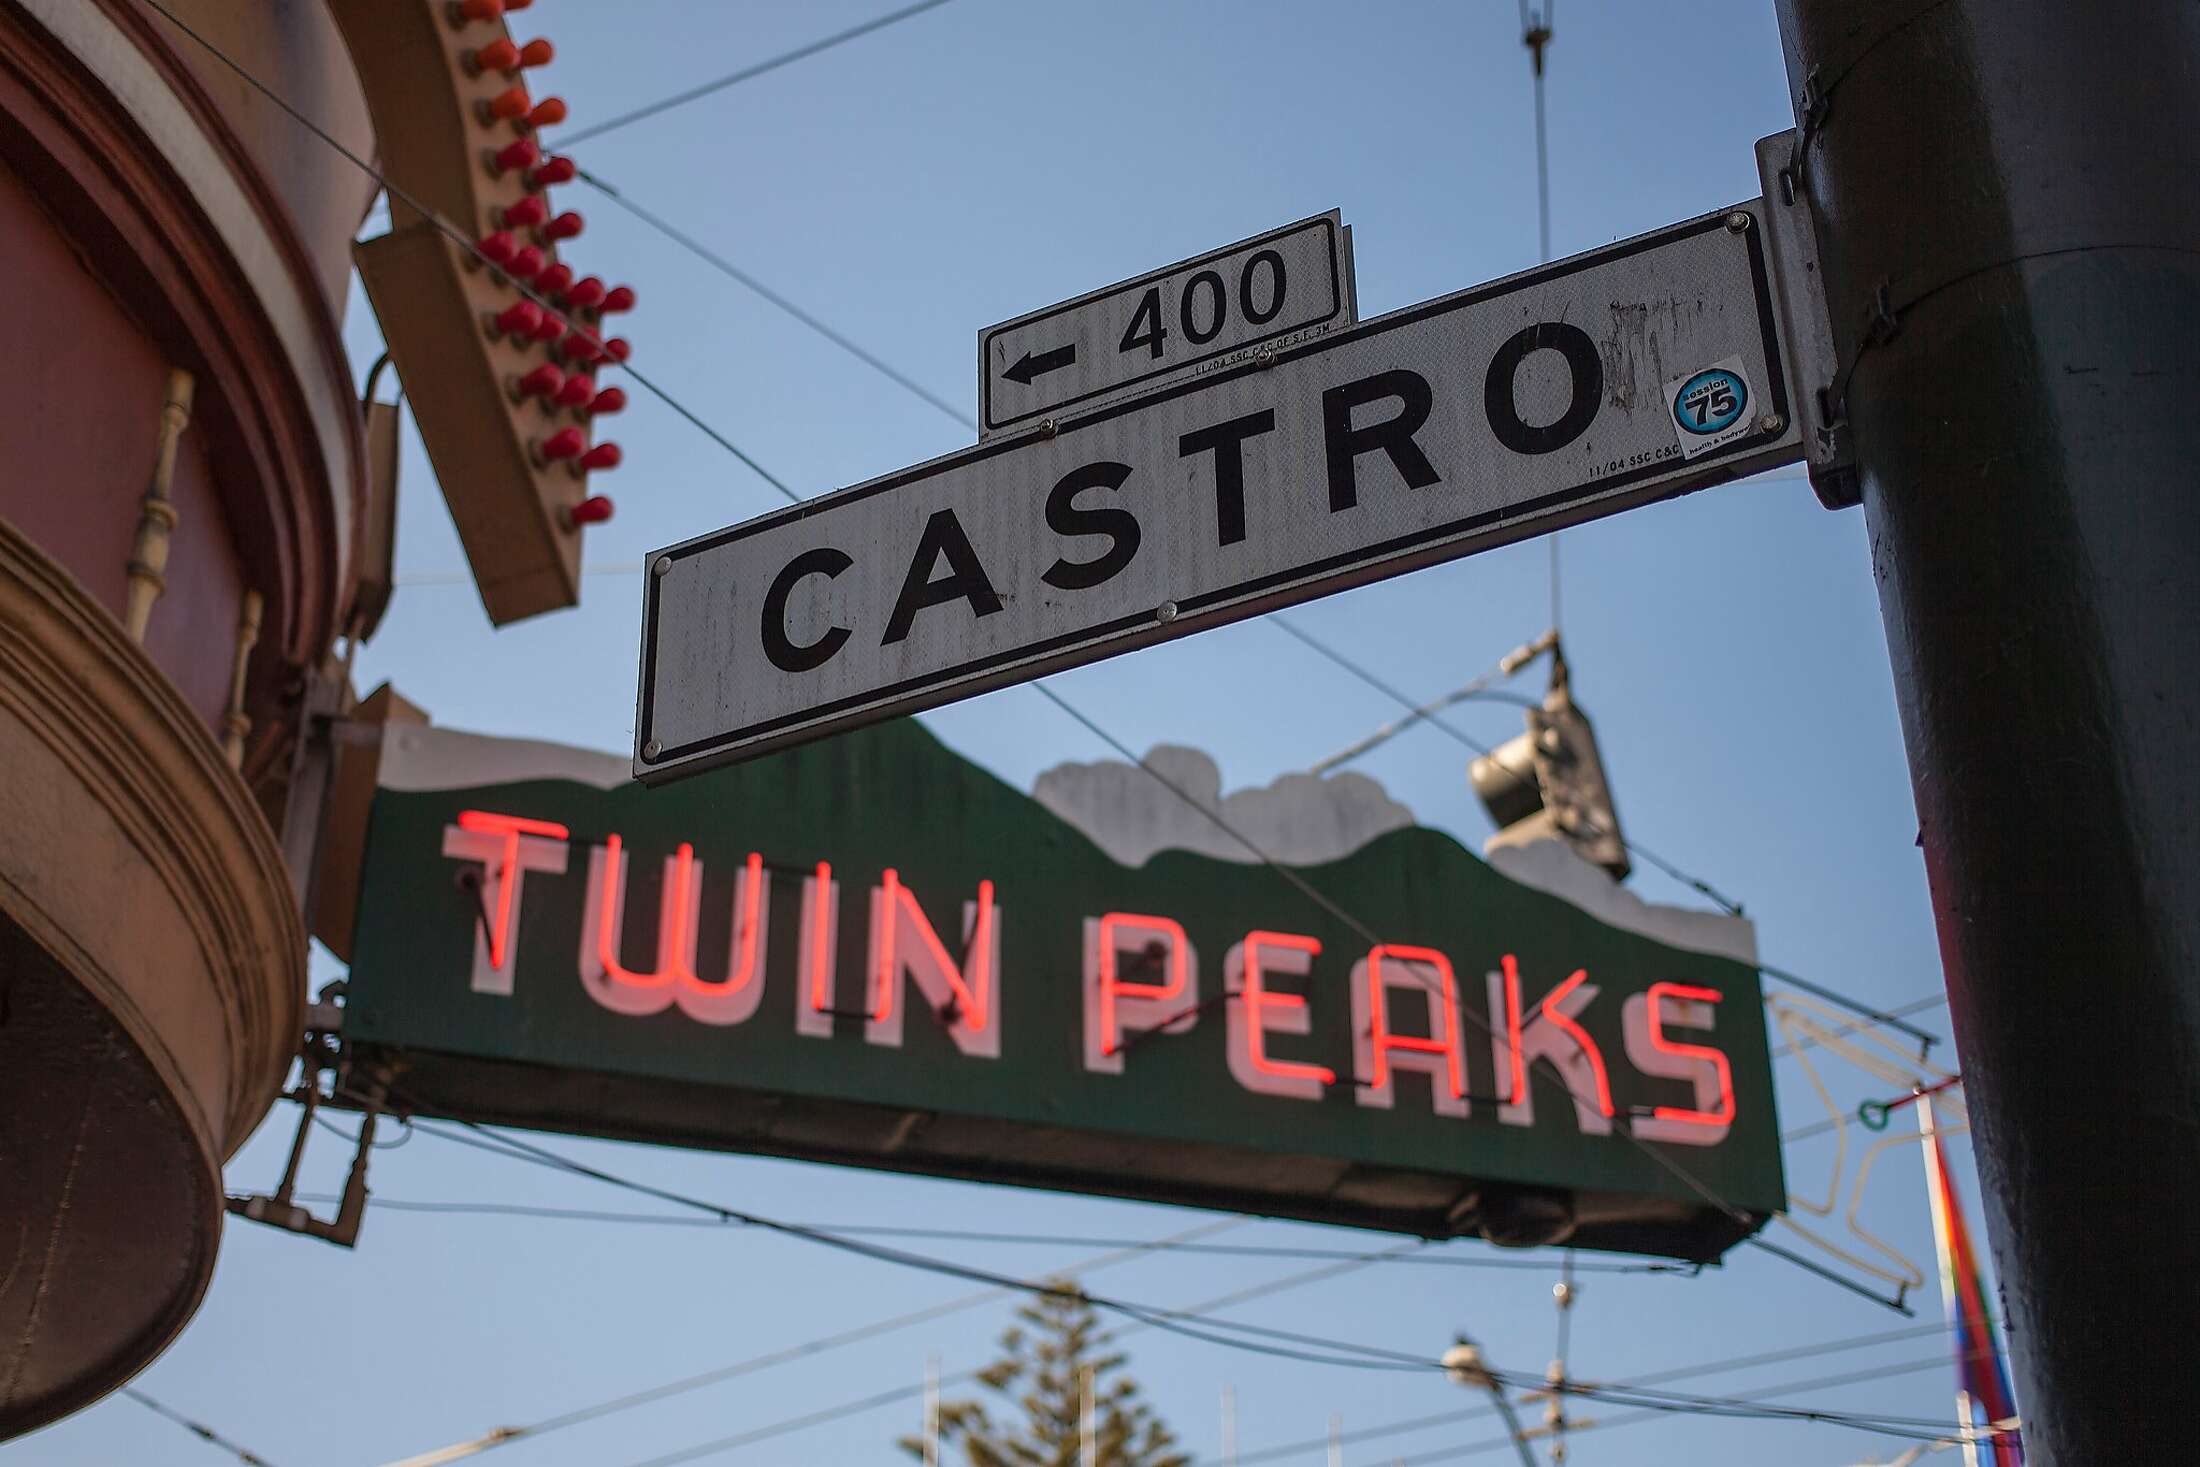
(203, 1432)
(746, 73)
(836, 1412)
(734, 272)
(243, 73)
(1662, 1377)
(1263, 1340)
(450, 232)
(997, 1239)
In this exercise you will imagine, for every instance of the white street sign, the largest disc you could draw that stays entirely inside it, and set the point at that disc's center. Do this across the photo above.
(1505, 411)
(1275, 289)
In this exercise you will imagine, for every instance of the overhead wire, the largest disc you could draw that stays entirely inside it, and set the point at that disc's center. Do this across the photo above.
(443, 227)
(743, 277)
(964, 1235)
(1725, 1366)
(504, 1435)
(746, 73)
(1260, 1339)
(1829, 1382)
(1421, 712)
(200, 1430)
(790, 1425)
(244, 74)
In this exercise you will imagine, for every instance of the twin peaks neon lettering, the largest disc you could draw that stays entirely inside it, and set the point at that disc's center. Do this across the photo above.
(960, 985)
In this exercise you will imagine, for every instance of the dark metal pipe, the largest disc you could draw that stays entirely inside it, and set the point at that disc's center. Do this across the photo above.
(2008, 200)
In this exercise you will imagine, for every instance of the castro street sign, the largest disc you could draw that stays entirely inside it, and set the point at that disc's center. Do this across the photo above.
(870, 951)
(1633, 373)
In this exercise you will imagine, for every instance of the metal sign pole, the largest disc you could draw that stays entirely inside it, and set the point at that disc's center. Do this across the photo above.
(2014, 292)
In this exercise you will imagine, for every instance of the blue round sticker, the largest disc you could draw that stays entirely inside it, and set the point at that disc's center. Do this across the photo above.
(1710, 402)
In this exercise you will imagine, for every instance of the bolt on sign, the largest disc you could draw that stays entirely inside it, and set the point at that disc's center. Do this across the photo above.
(1636, 372)
(869, 951)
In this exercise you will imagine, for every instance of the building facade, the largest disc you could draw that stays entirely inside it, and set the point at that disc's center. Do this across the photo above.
(184, 515)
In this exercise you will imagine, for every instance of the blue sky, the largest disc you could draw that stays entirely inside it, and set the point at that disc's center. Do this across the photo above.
(912, 187)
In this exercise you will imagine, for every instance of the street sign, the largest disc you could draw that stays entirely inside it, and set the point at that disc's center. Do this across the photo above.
(869, 951)
(1277, 288)
(1502, 412)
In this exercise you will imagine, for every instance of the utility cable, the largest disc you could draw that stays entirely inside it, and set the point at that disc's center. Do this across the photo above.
(1668, 1163)
(1035, 1240)
(1233, 1334)
(734, 272)
(1335, 1352)
(451, 233)
(1662, 1377)
(824, 1344)
(711, 88)
(1424, 712)
(204, 1433)
(1671, 1166)
(845, 1409)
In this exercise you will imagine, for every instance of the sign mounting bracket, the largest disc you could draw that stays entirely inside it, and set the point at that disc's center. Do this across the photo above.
(1791, 230)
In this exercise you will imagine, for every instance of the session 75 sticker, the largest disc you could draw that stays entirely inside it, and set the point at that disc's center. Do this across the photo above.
(1710, 407)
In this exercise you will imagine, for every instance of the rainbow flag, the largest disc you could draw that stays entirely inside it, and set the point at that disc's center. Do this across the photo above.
(1982, 1367)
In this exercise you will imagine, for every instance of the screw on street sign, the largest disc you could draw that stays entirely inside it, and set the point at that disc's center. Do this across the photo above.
(1274, 289)
(1551, 397)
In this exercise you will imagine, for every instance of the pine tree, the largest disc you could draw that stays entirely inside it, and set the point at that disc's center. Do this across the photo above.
(1041, 1373)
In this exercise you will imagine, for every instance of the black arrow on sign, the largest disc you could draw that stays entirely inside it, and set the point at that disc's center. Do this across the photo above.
(1029, 366)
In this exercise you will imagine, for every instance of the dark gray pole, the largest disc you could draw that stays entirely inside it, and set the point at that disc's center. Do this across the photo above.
(2008, 197)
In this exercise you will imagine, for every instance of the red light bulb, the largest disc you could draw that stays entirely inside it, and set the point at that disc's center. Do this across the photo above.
(618, 298)
(564, 444)
(578, 389)
(519, 154)
(509, 104)
(585, 291)
(517, 4)
(577, 347)
(536, 53)
(526, 213)
(602, 456)
(519, 318)
(543, 381)
(525, 265)
(565, 226)
(553, 170)
(463, 11)
(496, 248)
(593, 510)
(554, 280)
(499, 55)
(610, 400)
(549, 112)
(618, 349)
(548, 328)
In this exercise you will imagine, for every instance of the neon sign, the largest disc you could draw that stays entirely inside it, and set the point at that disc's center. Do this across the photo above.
(868, 951)
(959, 988)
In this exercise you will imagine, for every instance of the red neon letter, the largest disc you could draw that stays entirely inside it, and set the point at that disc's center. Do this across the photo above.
(1112, 1005)
(965, 997)
(735, 999)
(1257, 1011)
(742, 960)
(1549, 1031)
(1377, 1043)
(813, 1015)
(674, 956)
(511, 828)
(1112, 988)
(1724, 1115)
(1519, 1090)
